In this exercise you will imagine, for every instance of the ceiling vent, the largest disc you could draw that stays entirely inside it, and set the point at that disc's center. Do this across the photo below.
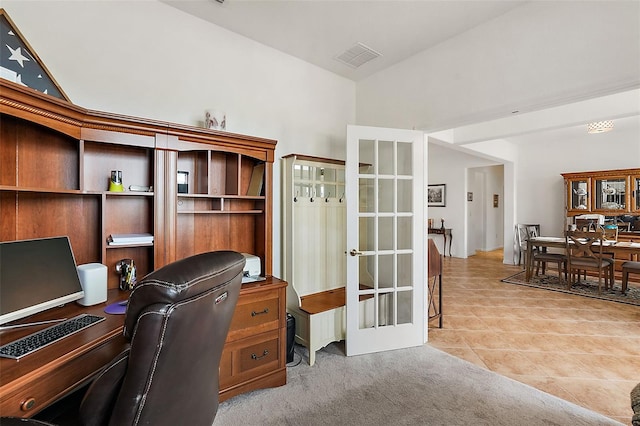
(357, 55)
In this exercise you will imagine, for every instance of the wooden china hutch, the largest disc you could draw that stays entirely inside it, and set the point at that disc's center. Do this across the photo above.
(614, 194)
(55, 166)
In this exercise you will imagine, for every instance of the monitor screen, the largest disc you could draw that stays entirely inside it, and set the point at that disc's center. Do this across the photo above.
(36, 275)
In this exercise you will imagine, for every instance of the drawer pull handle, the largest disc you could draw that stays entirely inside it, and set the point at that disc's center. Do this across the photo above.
(265, 353)
(28, 404)
(264, 311)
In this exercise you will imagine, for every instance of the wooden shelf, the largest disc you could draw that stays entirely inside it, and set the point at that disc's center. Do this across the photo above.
(222, 197)
(47, 190)
(121, 246)
(128, 194)
(220, 212)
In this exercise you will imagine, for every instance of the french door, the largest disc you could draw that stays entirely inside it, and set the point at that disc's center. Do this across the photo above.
(386, 240)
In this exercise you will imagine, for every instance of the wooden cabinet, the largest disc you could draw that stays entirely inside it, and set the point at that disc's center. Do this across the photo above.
(635, 193)
(607, 192)
(255, 352)
(56, 161)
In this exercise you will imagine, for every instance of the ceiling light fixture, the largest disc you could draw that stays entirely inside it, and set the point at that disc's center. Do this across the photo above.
(600, 126)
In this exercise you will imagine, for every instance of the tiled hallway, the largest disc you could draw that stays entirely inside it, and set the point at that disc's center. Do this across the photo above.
(583, 350)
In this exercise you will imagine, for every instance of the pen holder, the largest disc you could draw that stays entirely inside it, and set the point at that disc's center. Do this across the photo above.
(127, 270)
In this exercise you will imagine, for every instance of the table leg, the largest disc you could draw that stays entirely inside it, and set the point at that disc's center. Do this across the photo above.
(444, 247)
(528, 262)
(450, 241)
(440, 299)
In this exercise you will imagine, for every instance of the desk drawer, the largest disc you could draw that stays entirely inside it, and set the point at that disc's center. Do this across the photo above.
(256, 313)
(40, 390)
(249, 358)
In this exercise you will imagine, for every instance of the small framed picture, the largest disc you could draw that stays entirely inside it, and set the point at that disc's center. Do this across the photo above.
(436, 195)
(469, 196)
(495, 200)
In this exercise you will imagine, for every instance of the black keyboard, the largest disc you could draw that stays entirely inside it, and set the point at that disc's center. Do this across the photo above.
(42, 338)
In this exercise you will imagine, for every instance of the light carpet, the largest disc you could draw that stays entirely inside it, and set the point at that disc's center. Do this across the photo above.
(416, 386)
(587, 288)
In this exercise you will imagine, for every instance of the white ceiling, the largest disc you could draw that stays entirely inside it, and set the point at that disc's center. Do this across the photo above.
(316, 31)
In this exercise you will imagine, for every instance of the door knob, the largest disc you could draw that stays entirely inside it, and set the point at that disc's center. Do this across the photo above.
(355, 252)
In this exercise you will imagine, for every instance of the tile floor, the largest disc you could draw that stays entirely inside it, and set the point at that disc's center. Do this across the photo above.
(583, 350)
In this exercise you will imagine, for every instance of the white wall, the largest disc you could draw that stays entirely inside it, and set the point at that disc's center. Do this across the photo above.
(449, 166)
(147, 59)
(541, 54)
(493, 236)
(540, 188)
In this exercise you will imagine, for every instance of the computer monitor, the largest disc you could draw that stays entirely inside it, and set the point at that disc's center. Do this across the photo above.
(36, 275)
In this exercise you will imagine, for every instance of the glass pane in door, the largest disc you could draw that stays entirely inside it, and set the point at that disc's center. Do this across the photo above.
(386, 239)
(404, 306)
(405, 163)
(386, 230)
(386, 271)
(367, 196)
(405, 196)
(405, 232)
(386, 156)
(386, 195)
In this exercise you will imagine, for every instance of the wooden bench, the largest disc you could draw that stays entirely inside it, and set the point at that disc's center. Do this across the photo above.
(321, 319)
(323, 301)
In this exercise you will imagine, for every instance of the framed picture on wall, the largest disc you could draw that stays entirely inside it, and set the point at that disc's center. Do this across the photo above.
(436, 195)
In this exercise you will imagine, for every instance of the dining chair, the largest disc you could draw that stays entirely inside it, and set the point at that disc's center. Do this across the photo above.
(541, 258)
(629, 267)
(584, 251)
(523, 232)
(609, 232)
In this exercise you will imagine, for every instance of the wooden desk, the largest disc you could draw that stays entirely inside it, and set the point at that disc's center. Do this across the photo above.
(57, 370)
(444, 232)
(31, 384)
(624, 248)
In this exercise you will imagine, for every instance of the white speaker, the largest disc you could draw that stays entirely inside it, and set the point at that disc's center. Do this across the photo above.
(93, 277)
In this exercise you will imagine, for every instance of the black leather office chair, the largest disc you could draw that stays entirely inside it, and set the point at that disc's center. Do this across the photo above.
(177, 321)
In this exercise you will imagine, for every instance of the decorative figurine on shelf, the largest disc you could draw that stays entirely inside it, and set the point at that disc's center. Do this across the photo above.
(215, 120)
(115, 183)
(441, 223)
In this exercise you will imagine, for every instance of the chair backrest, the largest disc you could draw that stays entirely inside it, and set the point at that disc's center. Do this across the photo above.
(584, 244)
(177, 321)
(609, 232)
(434, 265)
(524, 231)
(586, 225)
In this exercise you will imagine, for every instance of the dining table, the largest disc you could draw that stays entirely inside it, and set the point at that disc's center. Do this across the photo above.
(621, 249)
